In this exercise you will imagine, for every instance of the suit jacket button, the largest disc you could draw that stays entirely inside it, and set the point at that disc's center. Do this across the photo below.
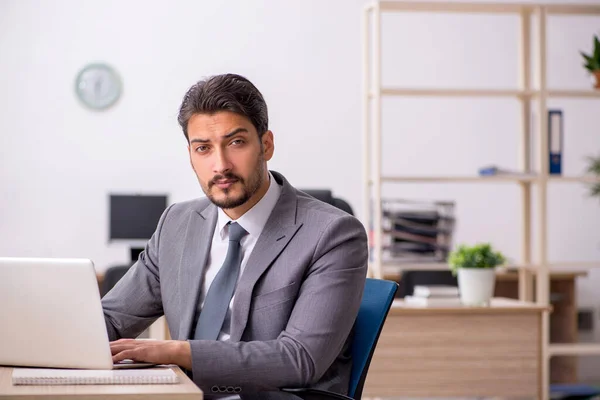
(229, 389)
(237, 389)
(222, 389)
(214, 389)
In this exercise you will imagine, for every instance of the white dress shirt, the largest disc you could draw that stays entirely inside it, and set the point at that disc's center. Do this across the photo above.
(253, 221)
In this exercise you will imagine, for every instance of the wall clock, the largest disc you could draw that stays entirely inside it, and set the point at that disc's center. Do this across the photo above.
(98, 86)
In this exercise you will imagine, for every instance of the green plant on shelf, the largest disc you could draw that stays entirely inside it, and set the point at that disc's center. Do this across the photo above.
(480, 255)
(594, 169)
(592, 61)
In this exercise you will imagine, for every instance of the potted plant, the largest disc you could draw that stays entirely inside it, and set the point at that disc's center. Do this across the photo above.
(476, 269)
(594, 169)
(592, 61)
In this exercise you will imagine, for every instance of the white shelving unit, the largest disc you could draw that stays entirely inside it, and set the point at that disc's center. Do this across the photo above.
(373, 92)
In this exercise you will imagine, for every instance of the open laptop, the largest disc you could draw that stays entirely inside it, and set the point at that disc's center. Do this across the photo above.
(51, 315)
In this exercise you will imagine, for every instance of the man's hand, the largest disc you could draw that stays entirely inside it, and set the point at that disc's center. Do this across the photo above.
(153, 351)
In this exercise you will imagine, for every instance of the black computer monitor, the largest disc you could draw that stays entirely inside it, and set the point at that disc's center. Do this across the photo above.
(135, 217)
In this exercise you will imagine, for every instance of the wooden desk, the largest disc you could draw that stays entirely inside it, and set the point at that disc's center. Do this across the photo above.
(563, 319)
(185, 390)
(458, 351)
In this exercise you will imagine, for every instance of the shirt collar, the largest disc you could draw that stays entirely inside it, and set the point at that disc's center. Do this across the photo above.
(255, 219)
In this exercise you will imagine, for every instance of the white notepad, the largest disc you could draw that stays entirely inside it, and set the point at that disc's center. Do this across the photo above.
(43, 376)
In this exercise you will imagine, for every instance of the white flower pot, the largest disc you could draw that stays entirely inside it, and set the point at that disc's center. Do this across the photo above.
(476, 285)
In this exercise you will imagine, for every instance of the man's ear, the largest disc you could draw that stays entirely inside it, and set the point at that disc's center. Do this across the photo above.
(268, 145)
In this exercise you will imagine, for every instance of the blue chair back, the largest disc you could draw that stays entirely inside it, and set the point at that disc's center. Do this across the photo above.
(376, 302)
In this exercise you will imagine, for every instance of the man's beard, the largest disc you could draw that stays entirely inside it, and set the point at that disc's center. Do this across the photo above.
(254, 183)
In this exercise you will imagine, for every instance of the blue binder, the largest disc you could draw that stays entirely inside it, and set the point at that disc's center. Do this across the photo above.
(555, 141)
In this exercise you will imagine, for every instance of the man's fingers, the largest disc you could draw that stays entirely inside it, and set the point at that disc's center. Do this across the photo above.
(123, 355)
(136, 354)
(115, 348)
(156, 351)
(132, 344)
(138, 350)
(123, 341)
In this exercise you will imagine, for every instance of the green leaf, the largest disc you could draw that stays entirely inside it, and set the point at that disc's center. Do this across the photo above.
(589, 64)
(480, 255)
(593, 167)
(595, 190)
(592, 60)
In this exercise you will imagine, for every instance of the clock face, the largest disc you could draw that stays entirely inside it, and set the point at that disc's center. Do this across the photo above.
(98, 86)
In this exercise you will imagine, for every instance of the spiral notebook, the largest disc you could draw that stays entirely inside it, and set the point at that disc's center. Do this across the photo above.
(44, 376)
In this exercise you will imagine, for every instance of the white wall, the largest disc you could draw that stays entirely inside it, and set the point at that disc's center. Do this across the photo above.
(59, 160)
(428, 136)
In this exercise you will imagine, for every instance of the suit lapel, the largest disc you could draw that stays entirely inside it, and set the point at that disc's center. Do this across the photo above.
(198, 239)
(277, 233)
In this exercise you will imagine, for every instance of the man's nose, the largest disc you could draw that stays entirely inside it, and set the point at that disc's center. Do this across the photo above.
(222, 163)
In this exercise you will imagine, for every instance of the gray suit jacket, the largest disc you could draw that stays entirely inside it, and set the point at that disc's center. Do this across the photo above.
(294, 307)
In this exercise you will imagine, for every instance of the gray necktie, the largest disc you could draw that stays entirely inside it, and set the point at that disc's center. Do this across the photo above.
(221, 289)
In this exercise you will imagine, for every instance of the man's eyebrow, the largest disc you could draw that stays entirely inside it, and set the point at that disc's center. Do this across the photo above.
(227, 136)
(235, 132)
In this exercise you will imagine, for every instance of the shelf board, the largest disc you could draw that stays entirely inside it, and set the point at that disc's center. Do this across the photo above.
(573, 93)
(573, 9)
(432, 92)
(464, 92)
(576, 179)
(458, 179)
(572, 349)
(554, 267)
(396, 266)
(487, 179)
(451, 7)
(568, 265)
(502, 8)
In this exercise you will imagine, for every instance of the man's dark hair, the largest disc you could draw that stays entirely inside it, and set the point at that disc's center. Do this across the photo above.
(227, 92)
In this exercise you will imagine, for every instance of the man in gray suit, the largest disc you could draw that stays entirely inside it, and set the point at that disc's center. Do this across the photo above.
(260, 283)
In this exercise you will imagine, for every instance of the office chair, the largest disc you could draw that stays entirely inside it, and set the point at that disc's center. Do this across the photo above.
(374, 307)
(573, 391)
(327, 197)
(112, 276)
(412, 278)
